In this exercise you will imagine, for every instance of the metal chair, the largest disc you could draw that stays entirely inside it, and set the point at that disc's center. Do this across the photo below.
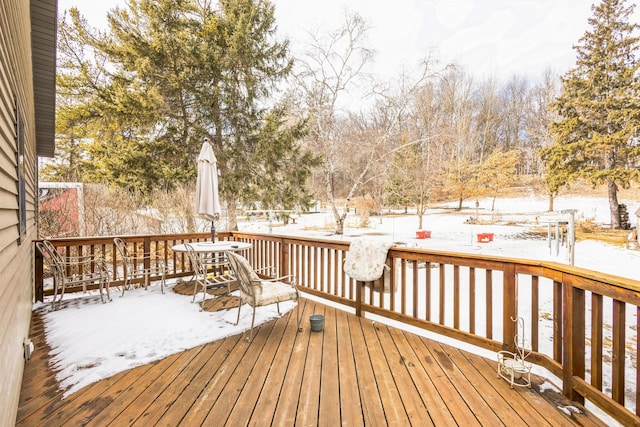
(209, 272)
(257, 291)
(137, 266)
(74, 271)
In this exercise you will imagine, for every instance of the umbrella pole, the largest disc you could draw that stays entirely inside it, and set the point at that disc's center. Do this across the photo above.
(213, 231)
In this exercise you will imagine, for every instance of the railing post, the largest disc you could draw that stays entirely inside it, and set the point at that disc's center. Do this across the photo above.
(557, 320)
(359, 289)
(572, 338)
(284, 258)
(509, 307)
(146, 249)
(618, 347)
(38, 278)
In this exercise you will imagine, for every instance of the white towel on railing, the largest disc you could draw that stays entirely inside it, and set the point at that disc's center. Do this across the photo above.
(365, 259)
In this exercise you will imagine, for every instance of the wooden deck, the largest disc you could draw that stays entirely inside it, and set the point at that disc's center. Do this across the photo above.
(355, 372)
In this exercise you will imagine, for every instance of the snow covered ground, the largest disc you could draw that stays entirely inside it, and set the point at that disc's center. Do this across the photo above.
(450, 231)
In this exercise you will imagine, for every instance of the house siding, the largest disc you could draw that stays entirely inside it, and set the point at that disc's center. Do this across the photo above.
(16, 249)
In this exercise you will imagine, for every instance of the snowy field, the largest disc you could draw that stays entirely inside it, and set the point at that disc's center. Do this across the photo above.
(451, 232)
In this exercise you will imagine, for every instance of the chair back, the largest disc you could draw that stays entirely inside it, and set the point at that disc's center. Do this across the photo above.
(121, 246)
(51, 257)
(199, 268)
(248, 279)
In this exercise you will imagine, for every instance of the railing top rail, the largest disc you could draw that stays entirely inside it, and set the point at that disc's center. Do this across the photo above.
(548, 268)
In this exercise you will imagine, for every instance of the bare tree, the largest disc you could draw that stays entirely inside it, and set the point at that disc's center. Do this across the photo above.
(514, 98)
(111, 212)
(333, 66)
(356, 148)
(175, 208)
(540, 115)
(497, 172)
(488, 118)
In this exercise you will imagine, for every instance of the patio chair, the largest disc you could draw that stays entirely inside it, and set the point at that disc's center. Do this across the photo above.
(209, 272)
(136, 266)
(257, 291)
(74, 271)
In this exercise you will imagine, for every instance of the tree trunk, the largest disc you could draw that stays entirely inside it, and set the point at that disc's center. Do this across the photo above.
(339, 219)
(460, 204)
(419, 221)
(232, 215)
(339, 225)
(614, 207)
(191, 224)
(550, 208)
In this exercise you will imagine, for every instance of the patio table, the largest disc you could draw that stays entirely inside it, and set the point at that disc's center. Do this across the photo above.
(211, 263)
(212, 249)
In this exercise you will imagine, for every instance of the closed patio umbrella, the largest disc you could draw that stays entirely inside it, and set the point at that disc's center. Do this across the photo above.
(207, 199)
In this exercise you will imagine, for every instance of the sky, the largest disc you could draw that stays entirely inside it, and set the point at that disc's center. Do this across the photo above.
(498, 38)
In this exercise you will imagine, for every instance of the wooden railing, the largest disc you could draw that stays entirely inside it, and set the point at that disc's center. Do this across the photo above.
(581, 325)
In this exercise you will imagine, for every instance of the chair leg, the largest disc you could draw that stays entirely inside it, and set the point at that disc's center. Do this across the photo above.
(127, 284)
(253, 319)
(238, 319)
(298, 315)
(55, 294)
(195, 289)
(107, 285)
(64, 285)
(204, 294)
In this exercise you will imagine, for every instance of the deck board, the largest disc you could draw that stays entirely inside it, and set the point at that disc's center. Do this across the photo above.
(415, 407)
(160, 400)
(287, 405)
(272, 388)
(350, 402)
(447, 390)
(424, 386)
(308, 402)
(372, 408)
(355, 372)
(252, 387)
(329, 412)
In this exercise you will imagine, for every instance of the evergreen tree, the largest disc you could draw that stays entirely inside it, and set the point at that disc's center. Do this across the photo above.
(174, 72)
(597, 135)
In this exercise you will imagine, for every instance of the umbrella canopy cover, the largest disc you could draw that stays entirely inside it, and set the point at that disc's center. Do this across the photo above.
(207, 199)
